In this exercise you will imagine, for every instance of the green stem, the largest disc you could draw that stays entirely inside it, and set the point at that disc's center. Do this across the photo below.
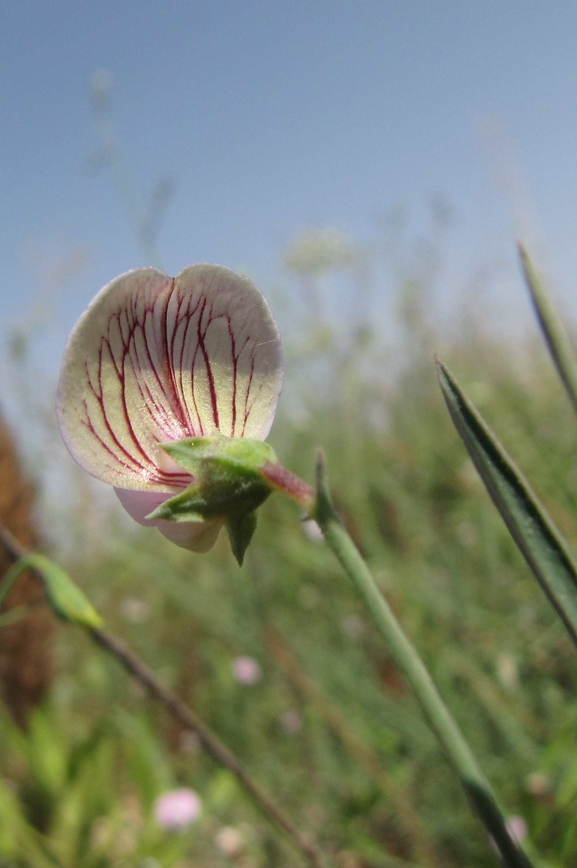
(441, 721)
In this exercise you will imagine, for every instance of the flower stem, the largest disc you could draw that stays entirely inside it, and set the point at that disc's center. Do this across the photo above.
(455, 747)
(190, 721)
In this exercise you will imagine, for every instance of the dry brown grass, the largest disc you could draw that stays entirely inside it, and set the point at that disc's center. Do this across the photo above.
(26, 662)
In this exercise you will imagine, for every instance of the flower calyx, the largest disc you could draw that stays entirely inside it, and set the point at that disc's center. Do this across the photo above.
(227, 485)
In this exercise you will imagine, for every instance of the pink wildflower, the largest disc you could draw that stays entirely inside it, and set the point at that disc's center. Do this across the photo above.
(177, 809)
(246, 670)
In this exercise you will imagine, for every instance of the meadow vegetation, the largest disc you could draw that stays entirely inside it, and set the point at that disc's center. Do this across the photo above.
(327, 725)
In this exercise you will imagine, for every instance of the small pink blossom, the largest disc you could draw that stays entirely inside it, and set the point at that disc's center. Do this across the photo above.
(246, 670)
(177, 809)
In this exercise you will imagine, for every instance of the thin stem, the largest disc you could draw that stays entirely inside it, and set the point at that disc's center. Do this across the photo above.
(190, 721)
(441, 721)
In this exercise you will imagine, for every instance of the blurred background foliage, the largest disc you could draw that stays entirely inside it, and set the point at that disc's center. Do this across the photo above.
(328, 726)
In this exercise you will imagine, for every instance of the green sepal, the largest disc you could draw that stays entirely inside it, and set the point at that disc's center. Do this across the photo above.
(181, 507)
(227, 479)
(240, 532)
(192, 453)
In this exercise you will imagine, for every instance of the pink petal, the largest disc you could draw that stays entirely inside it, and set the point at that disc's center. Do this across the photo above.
(196, 536)
(189, 535)
(139, 504)
(156, 359)
(246, 670)
(177, 809)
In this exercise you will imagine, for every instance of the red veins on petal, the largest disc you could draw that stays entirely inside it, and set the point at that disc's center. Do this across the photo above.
(156, 359)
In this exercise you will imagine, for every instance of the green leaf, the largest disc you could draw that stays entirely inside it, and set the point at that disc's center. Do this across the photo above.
(65, 597)
(240, 532)
(543, 547)
(556, 336)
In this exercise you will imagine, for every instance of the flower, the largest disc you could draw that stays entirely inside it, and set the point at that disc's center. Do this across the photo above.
(154, 360)
(177, 809)
(246, 670)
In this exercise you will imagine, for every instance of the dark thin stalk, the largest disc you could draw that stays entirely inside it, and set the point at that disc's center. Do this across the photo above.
(190, 721)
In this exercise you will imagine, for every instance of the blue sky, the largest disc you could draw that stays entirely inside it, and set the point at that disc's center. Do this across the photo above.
(271, 116)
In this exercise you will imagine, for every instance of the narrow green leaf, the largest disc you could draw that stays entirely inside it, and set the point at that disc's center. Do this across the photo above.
(405, 655)
(540, 542)
(556, 336)
(65, 597)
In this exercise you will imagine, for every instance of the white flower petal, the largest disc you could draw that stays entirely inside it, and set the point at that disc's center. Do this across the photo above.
(231, 374)
(156, 359)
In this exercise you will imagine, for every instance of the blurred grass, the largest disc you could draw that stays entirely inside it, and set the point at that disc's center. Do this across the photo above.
(329, 728)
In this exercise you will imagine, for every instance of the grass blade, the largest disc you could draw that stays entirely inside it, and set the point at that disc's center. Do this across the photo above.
(556, 336)
(540, 542)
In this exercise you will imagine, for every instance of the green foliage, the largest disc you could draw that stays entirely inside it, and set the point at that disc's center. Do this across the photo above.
(329, 728)
(545, 550)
